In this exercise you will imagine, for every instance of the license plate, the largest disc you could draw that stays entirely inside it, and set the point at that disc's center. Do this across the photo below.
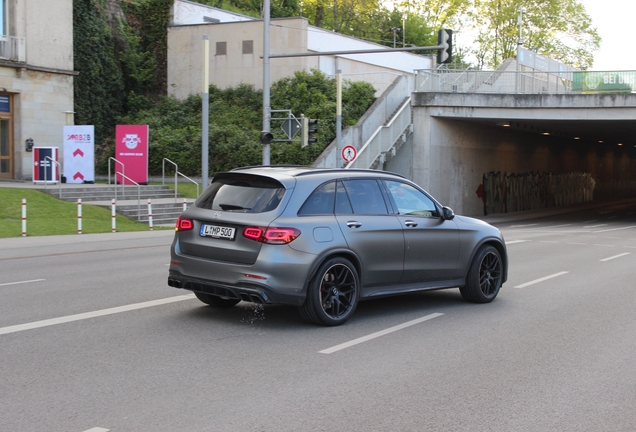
(217, 232)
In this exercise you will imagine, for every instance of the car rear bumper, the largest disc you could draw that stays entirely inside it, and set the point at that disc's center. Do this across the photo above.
(252, 292)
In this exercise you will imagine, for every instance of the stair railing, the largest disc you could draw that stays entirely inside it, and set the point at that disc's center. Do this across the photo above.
(176, 173)
(138, 192)
(59, 172)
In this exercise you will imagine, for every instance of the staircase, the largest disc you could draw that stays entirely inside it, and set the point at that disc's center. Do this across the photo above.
(131, 201)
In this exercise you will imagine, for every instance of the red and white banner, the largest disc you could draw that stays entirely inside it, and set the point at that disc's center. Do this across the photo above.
(131, 149)
(79, 154)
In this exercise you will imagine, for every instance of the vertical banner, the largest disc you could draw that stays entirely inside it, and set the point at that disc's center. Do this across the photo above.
(79, 154)
(45, 171)
(131, 149)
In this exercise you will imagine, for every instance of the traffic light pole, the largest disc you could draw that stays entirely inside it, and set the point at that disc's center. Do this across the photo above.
(339, 163)
(205, 117)
(266, 96)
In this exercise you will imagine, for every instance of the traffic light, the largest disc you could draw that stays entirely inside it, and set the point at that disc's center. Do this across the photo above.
(266, 137)
(445, 39)
(309, 129)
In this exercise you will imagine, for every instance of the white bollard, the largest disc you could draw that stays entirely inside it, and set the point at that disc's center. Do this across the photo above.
(23, 217)
(113, 216)
(185, 205)
(149, 214)
(79, 215)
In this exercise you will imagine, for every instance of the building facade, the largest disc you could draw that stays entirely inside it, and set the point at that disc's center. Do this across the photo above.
(236, 50)
(36, 80)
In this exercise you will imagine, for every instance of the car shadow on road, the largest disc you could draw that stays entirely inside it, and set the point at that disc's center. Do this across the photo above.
(282, 317)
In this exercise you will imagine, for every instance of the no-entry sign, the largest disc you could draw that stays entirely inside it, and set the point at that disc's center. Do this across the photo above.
(349, 153)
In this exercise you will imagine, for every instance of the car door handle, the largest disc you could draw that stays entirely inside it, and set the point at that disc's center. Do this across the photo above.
(354, 224)
(410, 223)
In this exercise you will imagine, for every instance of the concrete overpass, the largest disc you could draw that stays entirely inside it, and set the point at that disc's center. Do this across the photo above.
(459, 138)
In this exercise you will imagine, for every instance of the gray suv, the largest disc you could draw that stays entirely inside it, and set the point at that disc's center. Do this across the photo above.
(323, 239)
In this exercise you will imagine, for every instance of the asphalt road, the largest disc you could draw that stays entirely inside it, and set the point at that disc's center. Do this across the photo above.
(93, 339)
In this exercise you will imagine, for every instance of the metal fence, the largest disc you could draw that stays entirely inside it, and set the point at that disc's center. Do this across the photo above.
(525, 81)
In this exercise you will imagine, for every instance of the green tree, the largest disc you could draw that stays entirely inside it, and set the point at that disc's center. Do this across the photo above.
(559, 29)
(99, 86)
(236, 120)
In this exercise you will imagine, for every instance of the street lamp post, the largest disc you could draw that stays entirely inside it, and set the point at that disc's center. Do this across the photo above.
(519, 44)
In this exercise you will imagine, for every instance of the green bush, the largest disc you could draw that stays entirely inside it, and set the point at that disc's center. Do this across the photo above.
(235, 123)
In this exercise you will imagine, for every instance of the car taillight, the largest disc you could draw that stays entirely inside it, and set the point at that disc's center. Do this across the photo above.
(184, 224)
(271, 235)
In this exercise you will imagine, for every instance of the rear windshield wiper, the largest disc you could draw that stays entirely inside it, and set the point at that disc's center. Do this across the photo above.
(233, 207)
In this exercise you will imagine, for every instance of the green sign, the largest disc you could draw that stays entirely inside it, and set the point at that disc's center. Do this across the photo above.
(600, 82)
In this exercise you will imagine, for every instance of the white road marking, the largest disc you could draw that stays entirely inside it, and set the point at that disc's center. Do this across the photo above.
(522, 226)
(22, 282)
(572, 243)
(94, 314)
(595, 226)
(97, 429)
(615, 256)
(615, 229)
(516, 241)
(541, 279)
(378, 334)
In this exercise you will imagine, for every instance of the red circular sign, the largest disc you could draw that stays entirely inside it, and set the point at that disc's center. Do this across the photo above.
(349, 153)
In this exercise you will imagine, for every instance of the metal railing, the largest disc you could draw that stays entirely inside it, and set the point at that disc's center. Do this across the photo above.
(384, 139)
(13, 48)
(123, 168)
(59, 174)
(525, 81)
(176, 173)
(124, 193)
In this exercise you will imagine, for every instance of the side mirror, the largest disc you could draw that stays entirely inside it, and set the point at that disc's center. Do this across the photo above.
(448, 213)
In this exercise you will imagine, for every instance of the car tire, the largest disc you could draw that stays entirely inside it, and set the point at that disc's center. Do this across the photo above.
(216, 301)
(333, 293)
(484, 276)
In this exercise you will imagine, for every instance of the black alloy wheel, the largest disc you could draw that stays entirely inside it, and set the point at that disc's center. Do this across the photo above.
(333, 293)
(484, 277)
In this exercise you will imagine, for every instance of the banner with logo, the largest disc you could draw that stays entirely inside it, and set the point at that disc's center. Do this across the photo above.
(599, 82)
(45, 170)
(79, 154)
(131, 149)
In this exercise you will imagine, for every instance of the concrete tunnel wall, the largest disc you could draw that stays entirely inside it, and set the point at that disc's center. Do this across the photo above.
(450, 164)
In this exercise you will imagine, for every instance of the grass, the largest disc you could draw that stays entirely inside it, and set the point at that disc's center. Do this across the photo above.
(49, 216)
(185, 189)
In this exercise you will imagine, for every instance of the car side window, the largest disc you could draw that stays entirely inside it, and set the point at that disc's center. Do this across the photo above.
(321, 200)
(365, 197)
(411, 201)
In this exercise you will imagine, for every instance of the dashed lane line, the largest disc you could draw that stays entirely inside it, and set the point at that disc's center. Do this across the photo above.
(516, 241)
(21, 282)
(378, 334)
(536, 281)
(94, 314)
(615, 229)
(614, 257)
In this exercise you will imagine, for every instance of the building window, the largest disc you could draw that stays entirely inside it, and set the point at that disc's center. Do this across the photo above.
(248, 47)
(221, 48)
(3, 18)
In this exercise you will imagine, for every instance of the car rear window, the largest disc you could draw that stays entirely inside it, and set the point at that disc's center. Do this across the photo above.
(242, 193)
